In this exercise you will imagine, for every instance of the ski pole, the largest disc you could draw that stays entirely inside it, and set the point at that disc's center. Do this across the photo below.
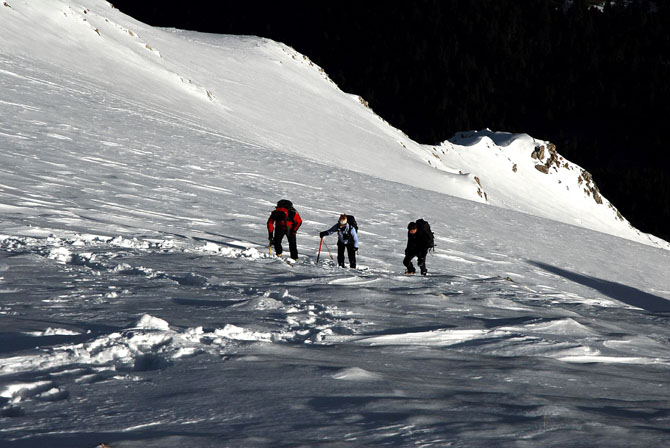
(319, 254)
(331, 255)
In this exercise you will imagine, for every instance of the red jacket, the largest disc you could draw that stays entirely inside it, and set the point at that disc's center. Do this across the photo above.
(286, 220)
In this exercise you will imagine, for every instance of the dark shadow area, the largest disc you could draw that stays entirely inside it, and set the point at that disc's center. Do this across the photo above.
(507, 321)
(16, 342)
(640, 414)
(207, 303)
(617, 291)
(15, 336)
(93, 439)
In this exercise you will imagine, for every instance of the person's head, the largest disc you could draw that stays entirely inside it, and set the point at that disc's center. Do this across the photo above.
(411, 227)
(342, 221)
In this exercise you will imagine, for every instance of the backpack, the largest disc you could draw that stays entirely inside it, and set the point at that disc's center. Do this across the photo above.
(285, 203)
(426, 236)
(288, 205)
(352, 222)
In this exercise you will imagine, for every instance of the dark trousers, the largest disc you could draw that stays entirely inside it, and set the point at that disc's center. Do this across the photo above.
(420, 260)
(292, 244)
(351, 252)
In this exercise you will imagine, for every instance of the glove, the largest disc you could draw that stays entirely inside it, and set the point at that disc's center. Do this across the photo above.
(322, 234)
(355, 249)
(270, 239)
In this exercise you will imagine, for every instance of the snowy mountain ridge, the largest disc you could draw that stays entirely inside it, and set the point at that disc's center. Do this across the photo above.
(242, 81)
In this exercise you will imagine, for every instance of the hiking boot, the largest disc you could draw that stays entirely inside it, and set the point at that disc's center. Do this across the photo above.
(424, 271)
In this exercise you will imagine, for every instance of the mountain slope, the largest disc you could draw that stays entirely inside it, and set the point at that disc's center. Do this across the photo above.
(235, 86)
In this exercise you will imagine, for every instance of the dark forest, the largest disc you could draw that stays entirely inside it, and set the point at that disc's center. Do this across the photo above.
(594, 81)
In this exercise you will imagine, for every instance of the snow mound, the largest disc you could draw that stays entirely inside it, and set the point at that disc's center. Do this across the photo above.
(148, 322)
(565, 327)
(356, 374)
(53, 332)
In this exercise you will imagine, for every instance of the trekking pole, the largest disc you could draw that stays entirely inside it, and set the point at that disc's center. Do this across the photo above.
(331, 255)
(319, 254)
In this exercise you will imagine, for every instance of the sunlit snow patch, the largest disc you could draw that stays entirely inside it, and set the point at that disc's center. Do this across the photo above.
(234, 332)
(356, 374)
(60, 254)
(437, 338)
(564, 327)
(226, 251)
(44, 390)
(148, 322)
(53, 332)
(587, 359)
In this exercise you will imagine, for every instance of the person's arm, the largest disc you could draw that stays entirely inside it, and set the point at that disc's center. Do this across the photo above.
(329, 231)
(271, 226)
(354, 235)
(411, 242)
(297, 222)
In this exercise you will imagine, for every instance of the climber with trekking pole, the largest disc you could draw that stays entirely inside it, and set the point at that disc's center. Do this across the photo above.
(347, 237)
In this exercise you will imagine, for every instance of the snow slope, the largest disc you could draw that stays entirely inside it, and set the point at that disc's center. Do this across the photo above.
(140, 306)
(261, 92)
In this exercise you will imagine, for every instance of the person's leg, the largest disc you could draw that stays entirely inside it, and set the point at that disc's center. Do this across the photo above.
(340, 254)
(421, 261)
(407, 261)
(279, 235)
(351, 252)
(292, 245)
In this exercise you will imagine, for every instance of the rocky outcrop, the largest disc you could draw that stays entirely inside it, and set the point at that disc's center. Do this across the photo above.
(480, 191)
(542, 169)
(549, 158)
(590, 187)
(553, 159)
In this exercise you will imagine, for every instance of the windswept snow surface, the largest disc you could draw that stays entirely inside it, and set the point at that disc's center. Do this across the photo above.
(140, 306)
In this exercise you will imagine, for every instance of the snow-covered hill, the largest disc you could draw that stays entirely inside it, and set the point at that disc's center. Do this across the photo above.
(264, 93)
(140, 306)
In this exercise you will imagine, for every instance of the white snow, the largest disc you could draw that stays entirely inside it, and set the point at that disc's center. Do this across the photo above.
(140, 305)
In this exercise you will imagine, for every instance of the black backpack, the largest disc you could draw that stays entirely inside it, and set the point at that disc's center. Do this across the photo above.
(288, 205)
(426, 236)
(352, 222)
(285, 203)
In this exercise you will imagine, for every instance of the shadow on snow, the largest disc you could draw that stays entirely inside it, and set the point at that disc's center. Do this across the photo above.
(617, 291)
